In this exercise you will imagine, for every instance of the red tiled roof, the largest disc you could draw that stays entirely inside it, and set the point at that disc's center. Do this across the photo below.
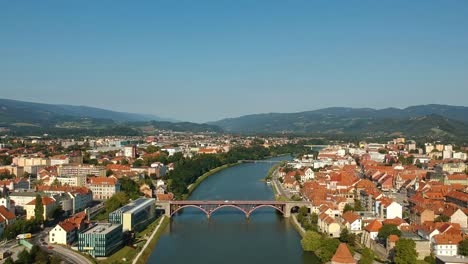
(6, 213)
(393, 238)
(350, 217)
(46, 200)
(343, 255)
(374, 226)
(103, 180)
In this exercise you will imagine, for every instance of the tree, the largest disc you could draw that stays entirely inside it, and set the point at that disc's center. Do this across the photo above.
(314, 219)
(39, 210)
(367, 256)
(347, 237)
(347, 208)
(358, 206)
(303, 211)
(9, 260)
(430, 260)
(109, 172)
(405, 251)
(388, 230)
(442, 218)
(327, 249)
(311, 241)
(463, 247)
(24, 257)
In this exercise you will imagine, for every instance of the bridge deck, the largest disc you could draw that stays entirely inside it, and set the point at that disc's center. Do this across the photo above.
(246, 202)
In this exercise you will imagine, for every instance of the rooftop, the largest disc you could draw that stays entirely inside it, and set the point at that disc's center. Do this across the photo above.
(134, 206)
(102, 228)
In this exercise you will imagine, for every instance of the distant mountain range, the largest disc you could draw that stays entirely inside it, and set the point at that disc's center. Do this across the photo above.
(437, 121)
(14, 111)
(433, 120)
(26, 117)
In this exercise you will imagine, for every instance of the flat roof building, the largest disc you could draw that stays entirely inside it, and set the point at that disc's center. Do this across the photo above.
(101, 240)
(135, 215)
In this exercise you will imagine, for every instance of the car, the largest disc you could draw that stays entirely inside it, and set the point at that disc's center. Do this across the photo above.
(50, 247)
(44, 243)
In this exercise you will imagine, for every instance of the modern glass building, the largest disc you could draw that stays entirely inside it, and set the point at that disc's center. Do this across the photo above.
(135, 215)
(101, 240)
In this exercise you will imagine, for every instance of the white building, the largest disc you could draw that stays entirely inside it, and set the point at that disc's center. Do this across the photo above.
(103, 188)
(63, 233)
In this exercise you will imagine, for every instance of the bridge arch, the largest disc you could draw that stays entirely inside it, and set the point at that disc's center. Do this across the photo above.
(190, 205)
(228, 205)
(262, 206)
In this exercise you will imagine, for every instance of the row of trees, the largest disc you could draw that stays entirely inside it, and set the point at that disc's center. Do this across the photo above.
(36, 255)
(187, 170)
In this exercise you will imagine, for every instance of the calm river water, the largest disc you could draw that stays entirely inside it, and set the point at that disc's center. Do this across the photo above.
(228, 237)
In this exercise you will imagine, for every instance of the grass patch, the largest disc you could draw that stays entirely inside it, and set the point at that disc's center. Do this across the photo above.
(147, 252)
(126, 252)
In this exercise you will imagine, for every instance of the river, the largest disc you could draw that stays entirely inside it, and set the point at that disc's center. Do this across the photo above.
(228, 237)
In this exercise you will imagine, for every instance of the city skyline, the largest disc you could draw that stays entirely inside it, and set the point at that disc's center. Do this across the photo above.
(210, 60)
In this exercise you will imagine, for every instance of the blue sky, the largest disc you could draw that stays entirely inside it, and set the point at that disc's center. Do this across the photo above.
(206, 60)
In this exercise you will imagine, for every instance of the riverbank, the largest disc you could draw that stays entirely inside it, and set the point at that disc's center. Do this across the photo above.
(148, 248)
(297, 225)
(203, 177)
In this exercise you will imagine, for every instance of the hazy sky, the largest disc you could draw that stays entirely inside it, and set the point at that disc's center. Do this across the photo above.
(205, 60)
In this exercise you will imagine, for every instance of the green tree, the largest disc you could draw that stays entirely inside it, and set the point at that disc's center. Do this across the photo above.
(311, 241)
(463, 247)
(367, 256)
(303, 211)
(388, 230)
(347, 237)
(347, 208)
(109, 172)
(442, 218)
(24, 257)
(327, 249)
(39, 210)
(9, 260)
(358, 205)
(405, 251)
(314, 219)
(430, 260)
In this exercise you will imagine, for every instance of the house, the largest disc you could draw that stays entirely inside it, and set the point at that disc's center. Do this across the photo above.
(328, 225)
(419, 215)
(456, 215)
(343, 255)
(6, 218)
(386, 208)
(103, 188)
(370, 232)
(63, 233)
(352, 221)
(66, 232)
(446, 244)
(48, 203)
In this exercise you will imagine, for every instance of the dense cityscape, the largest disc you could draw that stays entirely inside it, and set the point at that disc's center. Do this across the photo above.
(89, 199)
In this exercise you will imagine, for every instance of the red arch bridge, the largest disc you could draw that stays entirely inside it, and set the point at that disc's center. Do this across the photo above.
(247, 207)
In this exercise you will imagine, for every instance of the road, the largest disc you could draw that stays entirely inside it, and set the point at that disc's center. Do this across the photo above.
(67, 255)
(279, 186)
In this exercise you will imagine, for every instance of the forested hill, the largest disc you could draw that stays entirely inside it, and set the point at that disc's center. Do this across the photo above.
(434, 120)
